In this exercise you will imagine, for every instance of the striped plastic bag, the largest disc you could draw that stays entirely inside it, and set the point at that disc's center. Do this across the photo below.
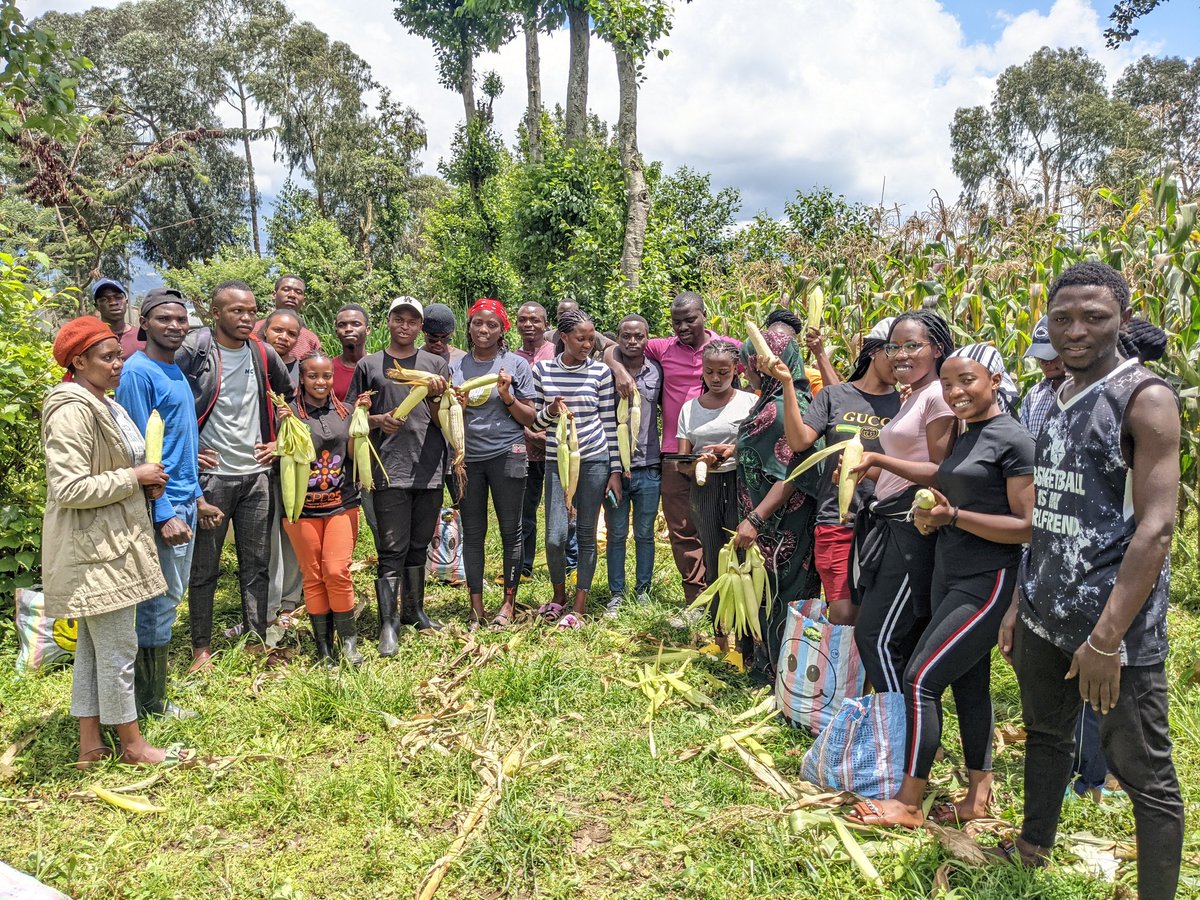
(862, 749)
(818, 667)
(41, 641)
(445, 560)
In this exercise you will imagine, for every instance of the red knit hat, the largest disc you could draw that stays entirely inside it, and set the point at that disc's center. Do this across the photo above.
(78, 336)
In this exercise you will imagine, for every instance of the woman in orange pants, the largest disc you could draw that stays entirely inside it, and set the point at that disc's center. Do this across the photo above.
(324, 535)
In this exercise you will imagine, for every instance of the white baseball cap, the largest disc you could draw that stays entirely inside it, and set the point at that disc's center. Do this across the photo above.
(410, 302)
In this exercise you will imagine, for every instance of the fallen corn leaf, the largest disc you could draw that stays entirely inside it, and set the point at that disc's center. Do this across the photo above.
(129, 804)
(855, 853)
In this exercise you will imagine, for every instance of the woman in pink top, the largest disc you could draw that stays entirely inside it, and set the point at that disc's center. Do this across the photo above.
(892, 561)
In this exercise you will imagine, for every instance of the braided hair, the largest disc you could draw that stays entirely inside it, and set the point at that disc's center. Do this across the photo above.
(935, 327)
(567, 323)
(338, 405)
(785, 317)
(870, 346)
(715, 349)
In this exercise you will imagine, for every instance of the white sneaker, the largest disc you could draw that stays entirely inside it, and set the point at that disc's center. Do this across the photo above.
(613, 607)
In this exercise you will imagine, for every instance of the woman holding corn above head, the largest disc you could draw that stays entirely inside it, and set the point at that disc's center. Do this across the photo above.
(892, 560)
(325, 533)
(983, 513)
(778, 515)
(495, 414)
(858, 408)
(576, 402)
(708, 427)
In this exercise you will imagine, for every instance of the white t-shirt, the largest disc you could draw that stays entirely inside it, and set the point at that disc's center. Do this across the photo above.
(700, 426)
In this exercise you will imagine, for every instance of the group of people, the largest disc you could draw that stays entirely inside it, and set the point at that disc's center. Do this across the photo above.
(1048, 533)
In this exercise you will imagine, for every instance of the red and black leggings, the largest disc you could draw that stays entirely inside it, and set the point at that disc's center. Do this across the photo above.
(955, 651)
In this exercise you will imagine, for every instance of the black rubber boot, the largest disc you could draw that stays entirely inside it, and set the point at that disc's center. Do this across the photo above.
(385, 598)
(343, 623)
(146, 684)
(322, 638)
(412, 610)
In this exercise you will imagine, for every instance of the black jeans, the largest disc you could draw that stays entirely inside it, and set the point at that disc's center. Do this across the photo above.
(504, 476)
(1134, 738)
(404, 520)
(248, 502)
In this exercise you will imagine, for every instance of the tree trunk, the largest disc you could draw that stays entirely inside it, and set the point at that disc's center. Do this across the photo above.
(533, 78)
(575, 126)
(467, 88)
(637, 195)
(251, 187)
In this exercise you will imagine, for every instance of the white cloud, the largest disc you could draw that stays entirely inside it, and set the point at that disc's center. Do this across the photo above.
(770, 96)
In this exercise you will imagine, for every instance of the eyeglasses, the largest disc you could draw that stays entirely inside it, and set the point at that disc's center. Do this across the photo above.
(910, 348)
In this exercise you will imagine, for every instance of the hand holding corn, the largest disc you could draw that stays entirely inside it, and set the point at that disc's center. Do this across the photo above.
(931, 510)
(774, 367)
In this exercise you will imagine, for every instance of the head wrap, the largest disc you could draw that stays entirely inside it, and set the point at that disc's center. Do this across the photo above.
(488, 304)
(78, 336)
(1142, 341)
(989, 357)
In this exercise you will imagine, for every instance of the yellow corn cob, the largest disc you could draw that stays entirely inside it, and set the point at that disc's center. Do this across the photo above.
(287, 486)
(121, 801)
(154, 437)
(623, 446)
(758, 573)
(701, 474)
(816, 306)
(561, 434)
(410, 376)
(360, 431)
(444, 412)
(458, 433)
(760, 344)
(925, 499)
(415, 395)
(848, 479)
(635, 418)
(303, 470)
(622, 411)
(750, 600)
(574, 465)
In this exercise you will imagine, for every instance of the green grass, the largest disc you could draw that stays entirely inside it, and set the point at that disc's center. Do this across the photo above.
(323, 799)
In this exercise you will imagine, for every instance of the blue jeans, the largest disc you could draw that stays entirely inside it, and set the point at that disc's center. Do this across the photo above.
(642, 491)
(534, 485)
(156, 616)
(589, 494)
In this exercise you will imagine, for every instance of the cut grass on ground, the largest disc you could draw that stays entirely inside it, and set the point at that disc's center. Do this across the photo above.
(342, 785)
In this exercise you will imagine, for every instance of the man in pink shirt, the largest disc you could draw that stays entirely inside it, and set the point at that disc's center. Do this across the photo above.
(681, 360)
(289, 294)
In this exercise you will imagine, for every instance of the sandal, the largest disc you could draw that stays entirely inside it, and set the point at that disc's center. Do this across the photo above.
(502, 621)
(947, 813)
(104, 753)
(550, 611)
(1006, 850)
(180, 757)
(570, 620)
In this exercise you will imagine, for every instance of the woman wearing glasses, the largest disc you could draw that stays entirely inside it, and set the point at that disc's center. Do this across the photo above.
(892, 560)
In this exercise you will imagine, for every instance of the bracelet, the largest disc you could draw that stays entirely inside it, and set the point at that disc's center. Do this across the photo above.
(954, 518)
(756, 520)
(1116, 652)
(506, 403)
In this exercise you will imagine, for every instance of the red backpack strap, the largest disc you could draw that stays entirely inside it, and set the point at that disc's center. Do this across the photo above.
(262, 352)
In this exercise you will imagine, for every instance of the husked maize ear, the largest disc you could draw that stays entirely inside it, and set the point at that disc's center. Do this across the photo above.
(816, 306)
(925, 499)
(622, 411)
(574, 463)
(416, 395)
(760, 343)
(410, 376)
(701, 472)
(848, 479)
(154, 437)
(624, 446)
(635, 418)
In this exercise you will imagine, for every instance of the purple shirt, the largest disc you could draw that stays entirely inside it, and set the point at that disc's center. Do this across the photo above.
(682, 368)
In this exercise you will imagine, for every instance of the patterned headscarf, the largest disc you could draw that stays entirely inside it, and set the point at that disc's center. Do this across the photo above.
(989, 357)
(488, 304)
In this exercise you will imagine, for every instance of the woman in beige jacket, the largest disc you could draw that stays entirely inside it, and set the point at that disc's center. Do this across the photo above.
(99, 558)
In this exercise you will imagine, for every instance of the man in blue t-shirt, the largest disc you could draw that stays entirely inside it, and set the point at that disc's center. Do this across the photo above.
(151, 381)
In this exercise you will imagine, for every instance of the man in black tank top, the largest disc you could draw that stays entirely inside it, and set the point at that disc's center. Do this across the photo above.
(1088, 622)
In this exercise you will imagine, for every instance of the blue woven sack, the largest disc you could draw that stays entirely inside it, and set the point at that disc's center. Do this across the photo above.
(862, 749)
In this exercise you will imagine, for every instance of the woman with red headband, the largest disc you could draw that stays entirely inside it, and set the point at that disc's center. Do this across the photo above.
(97, 525)
(495, 418)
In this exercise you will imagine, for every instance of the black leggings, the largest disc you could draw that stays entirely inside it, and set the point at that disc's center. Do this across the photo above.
(895, 608)
(715, 508)
(955, 651)
(505, 477)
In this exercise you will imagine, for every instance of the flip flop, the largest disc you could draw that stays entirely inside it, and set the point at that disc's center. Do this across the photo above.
(570, 620)
(876, 813)
(1006, 850)
(550, 611)
(502, 621)
(84, 764)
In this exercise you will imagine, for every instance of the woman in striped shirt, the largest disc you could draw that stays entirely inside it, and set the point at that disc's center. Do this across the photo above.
(574, 384)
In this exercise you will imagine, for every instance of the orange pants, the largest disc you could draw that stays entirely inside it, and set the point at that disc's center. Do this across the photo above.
(324, 547)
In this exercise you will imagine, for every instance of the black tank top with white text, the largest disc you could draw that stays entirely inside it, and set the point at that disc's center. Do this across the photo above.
(1083, 522)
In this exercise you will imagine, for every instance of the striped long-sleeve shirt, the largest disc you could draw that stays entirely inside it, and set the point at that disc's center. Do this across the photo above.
(589, 393)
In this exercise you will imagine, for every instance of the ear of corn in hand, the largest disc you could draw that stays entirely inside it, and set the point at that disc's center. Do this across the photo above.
(294, 447)
(563, 454)
(701, 473)
(816, 306)
(360, 432)
(410, 376)
(154, 437)
(573, 464)
(760, 344)
(416, 395)
(924, 499)
(847, 478)
(635, 418)
(624, 447)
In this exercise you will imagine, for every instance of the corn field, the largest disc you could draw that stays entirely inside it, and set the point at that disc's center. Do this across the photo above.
(990, 281)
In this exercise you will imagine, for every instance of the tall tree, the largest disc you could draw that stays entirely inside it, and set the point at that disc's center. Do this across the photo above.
(460, 30)
(1124, 14)
(1049, 125)
(1166, 94)
(632, 28)
(575, 125)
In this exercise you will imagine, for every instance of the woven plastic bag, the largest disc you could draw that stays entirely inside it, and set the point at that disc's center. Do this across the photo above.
(862, 749)
(41, 641)
(445, 561)
(818, 667)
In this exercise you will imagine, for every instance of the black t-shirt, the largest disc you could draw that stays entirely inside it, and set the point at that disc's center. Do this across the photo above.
(414, 455)
(975, 477)
(331, 486)
(836, 413)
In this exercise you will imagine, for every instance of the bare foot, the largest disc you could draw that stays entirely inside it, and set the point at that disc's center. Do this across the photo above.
(142, 754)
(91, 757)
(888, 812)
(201, 660)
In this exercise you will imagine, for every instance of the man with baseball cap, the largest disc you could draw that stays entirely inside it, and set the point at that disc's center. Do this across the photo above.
(1039, 402)
(111, 305)
(408, 484)
(152, 381)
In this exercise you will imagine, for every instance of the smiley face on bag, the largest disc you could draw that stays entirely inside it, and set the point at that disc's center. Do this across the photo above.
(814, 688)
